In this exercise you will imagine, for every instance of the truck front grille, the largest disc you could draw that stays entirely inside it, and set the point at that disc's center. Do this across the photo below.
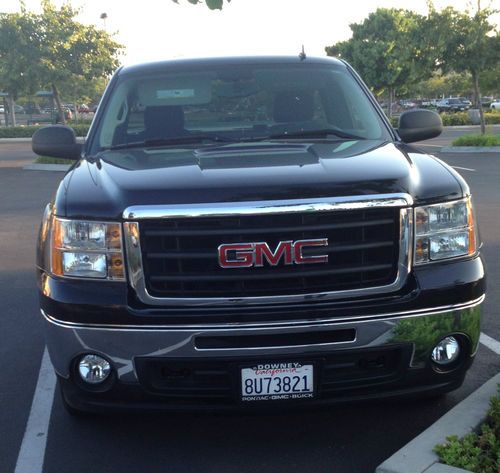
(180, 255)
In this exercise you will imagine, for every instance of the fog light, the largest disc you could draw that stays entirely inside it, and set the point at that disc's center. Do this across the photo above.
(94, 369)
(446, 351)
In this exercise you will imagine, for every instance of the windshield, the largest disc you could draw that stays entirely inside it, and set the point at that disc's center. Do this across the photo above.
(237, 103)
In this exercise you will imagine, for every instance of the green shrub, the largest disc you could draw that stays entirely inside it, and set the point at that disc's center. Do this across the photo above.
(477, 452)
(477, 140)
(27, 131)
(18, 131)
(460, 118)
(394, 121)
(455, 119)
(492, 118)
(81, 129)
(50, 160)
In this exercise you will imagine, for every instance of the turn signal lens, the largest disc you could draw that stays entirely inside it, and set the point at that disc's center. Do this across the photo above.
(87, 249)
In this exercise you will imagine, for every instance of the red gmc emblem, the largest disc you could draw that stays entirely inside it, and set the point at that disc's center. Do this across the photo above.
(246, 255)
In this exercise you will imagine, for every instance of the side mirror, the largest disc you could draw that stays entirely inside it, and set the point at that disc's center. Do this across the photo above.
(418, 125)
(58, 141)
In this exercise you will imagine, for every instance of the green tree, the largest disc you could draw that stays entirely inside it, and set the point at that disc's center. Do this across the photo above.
(386, 50)
(73, 53)
(212, 4)
(20, 43)
(489, 80)
(464, 42)
(53, 49)
(440, 85)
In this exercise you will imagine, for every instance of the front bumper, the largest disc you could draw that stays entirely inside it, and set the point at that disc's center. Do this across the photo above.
(388, 355)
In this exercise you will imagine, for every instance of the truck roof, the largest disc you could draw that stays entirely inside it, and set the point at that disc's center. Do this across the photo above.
(152, 67)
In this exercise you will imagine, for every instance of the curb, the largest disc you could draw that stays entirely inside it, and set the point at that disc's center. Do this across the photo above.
(15, 140)
(47, 167)
(28, 140)
(470, 149)
(418, 456)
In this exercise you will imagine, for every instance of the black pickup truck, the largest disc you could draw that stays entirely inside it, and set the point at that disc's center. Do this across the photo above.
(252, 233)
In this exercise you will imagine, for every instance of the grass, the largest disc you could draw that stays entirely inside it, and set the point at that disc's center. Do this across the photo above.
(50, 160)
(477, 452)
(477, 140)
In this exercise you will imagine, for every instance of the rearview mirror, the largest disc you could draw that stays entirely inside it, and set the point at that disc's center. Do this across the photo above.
(57, 141)
(418, 125)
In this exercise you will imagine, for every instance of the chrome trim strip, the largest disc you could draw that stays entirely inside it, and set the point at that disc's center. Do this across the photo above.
(275, 347)
(265, 326)
(266, 207)
(138, 283)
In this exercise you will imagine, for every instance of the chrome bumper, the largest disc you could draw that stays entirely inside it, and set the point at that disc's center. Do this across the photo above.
(122, 345)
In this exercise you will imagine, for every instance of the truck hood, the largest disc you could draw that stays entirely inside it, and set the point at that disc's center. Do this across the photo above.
(104, 187)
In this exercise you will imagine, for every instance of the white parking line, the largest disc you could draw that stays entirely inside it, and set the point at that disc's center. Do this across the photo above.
(464, 169)
(32, 452)
(489, 342)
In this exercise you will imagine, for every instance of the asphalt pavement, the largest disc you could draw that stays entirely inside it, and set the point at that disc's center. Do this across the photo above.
(352, 438)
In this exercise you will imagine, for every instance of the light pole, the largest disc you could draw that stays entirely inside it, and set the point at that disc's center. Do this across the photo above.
(103, 18)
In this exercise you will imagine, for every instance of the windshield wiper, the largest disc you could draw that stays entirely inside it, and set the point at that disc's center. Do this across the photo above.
(323, 133)
(178, 140)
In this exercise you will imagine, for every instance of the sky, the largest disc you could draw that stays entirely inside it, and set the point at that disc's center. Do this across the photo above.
(161, 29)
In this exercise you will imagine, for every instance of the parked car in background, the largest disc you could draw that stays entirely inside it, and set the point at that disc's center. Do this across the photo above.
(495, 105)
(32, 109)
(465, 101)
(68, 114)
(17, 108)
(83, 108)
(487, 101)
(407, 104)
(451, 105)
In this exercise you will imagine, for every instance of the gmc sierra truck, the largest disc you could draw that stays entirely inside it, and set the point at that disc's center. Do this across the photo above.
(244, 233)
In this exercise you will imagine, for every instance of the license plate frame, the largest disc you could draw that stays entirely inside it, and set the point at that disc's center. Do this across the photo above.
(302, 368)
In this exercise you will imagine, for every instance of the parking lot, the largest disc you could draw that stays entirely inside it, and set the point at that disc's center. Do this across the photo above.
(352, 438)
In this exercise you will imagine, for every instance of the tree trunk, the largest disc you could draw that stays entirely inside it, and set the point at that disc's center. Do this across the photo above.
(60, 111)
(391, 99)
(477, 93)
(5, 114)
(12, 111)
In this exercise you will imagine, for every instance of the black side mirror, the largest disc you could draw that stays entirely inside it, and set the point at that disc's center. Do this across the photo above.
(418, 125)
(57, 141)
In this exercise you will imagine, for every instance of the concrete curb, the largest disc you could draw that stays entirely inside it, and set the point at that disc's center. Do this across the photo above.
(47, 167)
(15, 140)
(470, 149)
(418, 457)
(28, 140)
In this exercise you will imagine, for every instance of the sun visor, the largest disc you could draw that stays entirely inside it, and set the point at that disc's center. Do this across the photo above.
(178, 90)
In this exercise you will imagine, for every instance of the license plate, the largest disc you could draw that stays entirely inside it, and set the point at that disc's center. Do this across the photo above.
(277, 382)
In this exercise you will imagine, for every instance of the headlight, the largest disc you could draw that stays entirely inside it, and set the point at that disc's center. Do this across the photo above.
(444, 231)
(87, 249)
